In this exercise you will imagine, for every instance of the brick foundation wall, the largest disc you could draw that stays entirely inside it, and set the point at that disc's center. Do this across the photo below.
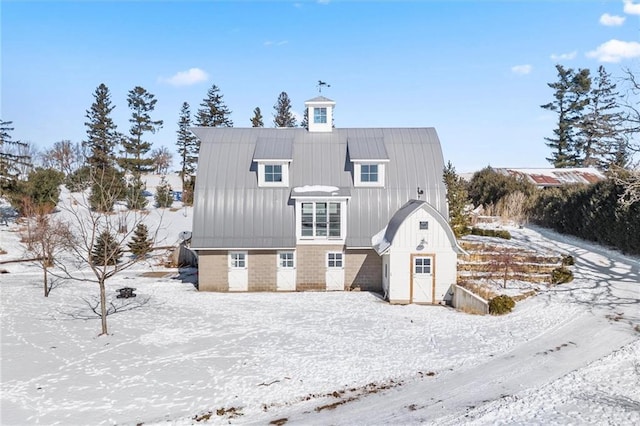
(213, 271)
(312, 266)
(262, 270)
(363, 270)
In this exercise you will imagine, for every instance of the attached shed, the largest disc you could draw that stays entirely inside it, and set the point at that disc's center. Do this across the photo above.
(419, 255)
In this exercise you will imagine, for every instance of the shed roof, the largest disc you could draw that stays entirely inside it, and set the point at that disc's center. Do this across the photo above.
(367, 149)
(269, 148)
(231, 211)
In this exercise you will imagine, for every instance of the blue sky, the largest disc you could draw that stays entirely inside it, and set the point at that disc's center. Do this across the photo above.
(477, 71)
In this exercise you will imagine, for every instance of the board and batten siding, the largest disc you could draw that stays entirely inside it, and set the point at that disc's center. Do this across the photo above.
(408, 240)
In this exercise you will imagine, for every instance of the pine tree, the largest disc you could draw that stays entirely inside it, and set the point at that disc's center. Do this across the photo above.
(9, 160)
(213, 111)
(141, 103)
(257, 120)
(140, 243)
(106, 250)
(187, 146)
(164, 195)
(601, 133)
(457, 199)
(305, 119)
(107, 187)
(283, 116)
(135, 198)
(101, 130)
(570, 99)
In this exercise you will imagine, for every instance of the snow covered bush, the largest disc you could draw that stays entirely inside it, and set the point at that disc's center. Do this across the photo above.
(561, 275)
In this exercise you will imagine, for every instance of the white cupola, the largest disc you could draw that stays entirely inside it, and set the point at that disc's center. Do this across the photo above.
(320, 114)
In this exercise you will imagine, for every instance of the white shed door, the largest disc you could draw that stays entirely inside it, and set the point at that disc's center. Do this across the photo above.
(238, 272)
(334, 276)
(286, 271)
(422, 279)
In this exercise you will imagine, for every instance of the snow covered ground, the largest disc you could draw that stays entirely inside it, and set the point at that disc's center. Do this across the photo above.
(568, 355)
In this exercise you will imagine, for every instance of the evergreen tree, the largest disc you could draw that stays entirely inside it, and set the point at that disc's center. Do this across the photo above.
(256, 120)
(135, 198)
(283, 116)
(187, 146)
(106, 250)
(305, 119)
(140, 243)
(457, 199)
(141, 103)
(107, 187)
(43, 187)
(10, 161)
(213, 111)
(102, 135)
(164, 195)
(570, 99)
(602, 138)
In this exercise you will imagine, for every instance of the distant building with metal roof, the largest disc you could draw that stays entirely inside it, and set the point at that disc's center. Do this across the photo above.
(290, 209)
(552, 177)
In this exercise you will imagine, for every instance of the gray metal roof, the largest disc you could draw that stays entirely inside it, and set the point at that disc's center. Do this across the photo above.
(273, 149)
(231, 211)
(367, 149)
(319, 99)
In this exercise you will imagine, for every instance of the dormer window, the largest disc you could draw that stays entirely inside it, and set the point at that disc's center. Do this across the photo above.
(370, 159)
(369, 173)
(273, 156)
(272, 173)
(320, 115)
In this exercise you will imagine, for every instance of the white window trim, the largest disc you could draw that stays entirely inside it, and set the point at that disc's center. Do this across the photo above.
(286, 268)
(357, 173)
(430, 265)
(285, 173)
(321, 240)
(341, 259)
(232, 261)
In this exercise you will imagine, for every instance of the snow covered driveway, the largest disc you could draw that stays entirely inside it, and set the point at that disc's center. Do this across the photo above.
(323, 358)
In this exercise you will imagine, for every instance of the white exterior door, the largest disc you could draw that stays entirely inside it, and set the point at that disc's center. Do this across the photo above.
(422, 279)
(286, 271)
(334, 276)
(238, 272)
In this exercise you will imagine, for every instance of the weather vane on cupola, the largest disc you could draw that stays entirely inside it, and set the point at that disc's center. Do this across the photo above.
(322, 83)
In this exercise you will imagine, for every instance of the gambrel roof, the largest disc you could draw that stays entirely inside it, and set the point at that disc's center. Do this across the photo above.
(232, 212)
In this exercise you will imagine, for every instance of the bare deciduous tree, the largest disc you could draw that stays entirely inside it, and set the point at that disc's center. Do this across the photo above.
(46, 237)
(88, 225)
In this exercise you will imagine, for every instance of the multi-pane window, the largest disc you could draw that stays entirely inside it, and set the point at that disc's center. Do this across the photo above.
(319, 115)
(422, 265)
(238, 260)
(334, 260)
(320, 220)
(286, 259)
(369, 173)
(273, 173)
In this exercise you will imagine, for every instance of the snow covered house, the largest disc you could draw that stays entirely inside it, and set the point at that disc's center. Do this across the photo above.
(291, 209)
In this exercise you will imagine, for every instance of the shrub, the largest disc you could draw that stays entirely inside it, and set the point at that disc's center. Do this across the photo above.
(561, 275)
(488, 186)
(568, 260)
(164, 195)
(79, 180)
(501, 305)
(498, 233)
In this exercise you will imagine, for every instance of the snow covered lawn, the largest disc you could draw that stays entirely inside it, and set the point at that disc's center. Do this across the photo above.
(568, 355)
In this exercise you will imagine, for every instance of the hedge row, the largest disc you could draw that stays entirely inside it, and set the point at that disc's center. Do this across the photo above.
(592, 213)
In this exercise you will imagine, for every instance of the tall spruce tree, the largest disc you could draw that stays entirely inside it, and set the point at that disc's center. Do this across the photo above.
(283, 116)
(601, 134)
(457, 199)
(10, 158)
(305, 119)
(102, 135)
(570, 95)
(213, 112)
(187, 150)
(135, 148)
(257, 120)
